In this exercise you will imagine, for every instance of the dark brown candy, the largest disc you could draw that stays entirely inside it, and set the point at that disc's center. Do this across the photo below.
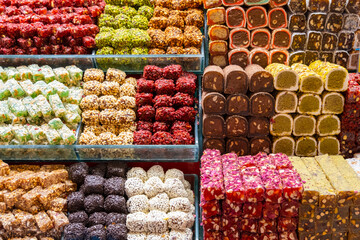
(326, 56)
(316, 21)
(318, 5)
(278, 3)
(235, 17)
(213, 126)
(260, 144)
(214, 143)
(256, 17)
(353, 6)
(314, 41)
(281, 38)
(297, 6)
(236, 126)
(260, 57)
(298, 41)
(311, 56)
(260, 38)
(329, 41)
(240, 146)
(277, 18)
(262, 104)
(239, 57)
(346, 40)
(334, 22)
(279, 56)
(213, 79)
(297, 57)
(337, 6)
(214, 103)
(259, 126)
(219, 60)
(238, 104)
(297, 22)
(236, 80)
(239, 38)
(259, 79)
(341, 58)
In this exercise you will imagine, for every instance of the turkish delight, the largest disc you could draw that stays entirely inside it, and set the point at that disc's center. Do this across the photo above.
(314, 41)
(309, 81)
(277, 18)
(239, 145)
(297, 22)
(239, 38)
(260, 38)
(213, 103)
(334, 22)
(213, 79)
(316, 21)
(298, 41)
(213, 126)
(297, 6)
(236, 80)
(332, 103)
(236, 126)
(284, 77)
(218, 32)
(216, 16)
(281, 38)
(235, 17)
(297, 57)
(281, 125)
(259, 126)
(259, 56)
(304, 125)
(256, 17)
(239, 57)
(279, 56)
(238, 104)
(259, 79)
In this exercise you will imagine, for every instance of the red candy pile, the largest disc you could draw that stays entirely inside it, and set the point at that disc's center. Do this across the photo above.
(49, 26)
(165, 101)
(249, 197)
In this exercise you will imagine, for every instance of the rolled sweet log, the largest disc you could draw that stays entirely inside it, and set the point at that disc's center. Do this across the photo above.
(235, 17)
(213, 103)
(333, 103)
(256, 2)
(284, 145)
(277, 18)
(304, 125)
(285, 79)
(298, 41)
(259, 126)
(260, 57)
(286, 102)
(328, 125)
(279, 56)
(329, 41)
(281, 38)
(259, 79)
(281, 125)
(214, 143)
(213, 79)
(218, 47)
(232, 2)
(297, 6)
(328, 57)
(278, 3)
(256, 17)
(297, 22)
(318, 5)
(260, 144)
(316, 21)
(309, 81)
(236, 126)
(236, 80)
(309, 104)
(311, 56)
(314, 41)
(238, 104)
(240, 146)
(337, 6)
(213, 126)
(219, 60)
(218, 32)
(297, 57)
(306, 147)
(239, 38)
(260, 38)
(215, 15)
(262, 105)
(328, 145)
(239, 57)
(341, 58)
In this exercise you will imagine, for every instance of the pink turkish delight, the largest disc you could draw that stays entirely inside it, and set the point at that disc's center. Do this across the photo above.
(212, 224)
(273, 185)
(210, 208)
(230, 208)
(271, 210)
(230, 223)
(235, 191)
(250, 236)
(249, 225)
(269, 236)
(281, 161)
(292, 184)
(254, 188)
(287, 224)
(290, 209)
(288, 236)
(252, 210)
(247, 161)
(267, 226)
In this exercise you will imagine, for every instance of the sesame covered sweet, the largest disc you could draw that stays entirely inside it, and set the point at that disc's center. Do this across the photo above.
(179, 220)
(174, 173)
(138, 203)
(186, 234)
(134, 186)
(153, 186)
(180, 204)
(136, 236)
(92, 88)
(110, 88)
(115, 75)
(127, 89)
(126, 102)
(107, 102)
(157, 236)
(90, 117)
(93, 74)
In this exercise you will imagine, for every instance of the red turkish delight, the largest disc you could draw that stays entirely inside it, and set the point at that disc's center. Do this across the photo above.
(180, 125)
(146, 113)
(254, 188)
(210, 208)
(252, 210)
(95, 11)
(212, 224)
(182, 99)
(186, 85)
(142, 137)
(269, 236)
(273, 186)
(289, 209)
(45, 50)
(13, 30)
(165, 114)
(230, 208)
(186, 114)
(143, 99)
(160, 127)
(249, 225)
(213, 235)
(152, 72)
(250, 236)
(164, 87)
(143, 125)
(281, 161)
(288, 236)
(230, 224)
(231, 235)
(162, 138)
(292, 184)
(247, 161)
(145, 86)
(25, 43)
(12, 11)
(82, 19)
(287, 224)
(271, 210)
(7, 42)
(183, 138)
(172, 72)
(162, 101)
(267, 226)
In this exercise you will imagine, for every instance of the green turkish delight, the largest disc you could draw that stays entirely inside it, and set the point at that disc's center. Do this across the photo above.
(122, 21)
(14, 88)
(75, 95)
(49, 74)
(6, 133)
(37, 74)
(57, 105)
(4, 112)
(17, 107)
(72, 117)
(12, 72)
(4, 91)
(74, 108)
(25, 72)
(76, 74)
(62, 75)
(21, 134)
(56, 123)
(17, 120)
(52, 135)
(139, 51)
(29, 88)
(44, 88)
(37, 133)
(67, 135)
(3, 75)
(60, 89)
(44, 106)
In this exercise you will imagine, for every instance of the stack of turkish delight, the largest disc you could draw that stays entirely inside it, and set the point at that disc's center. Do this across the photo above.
(108, 108)
(165, 106)
(246, 32)
(237, 106)
(314, 94)
(160, 204)
(330, 205)
(33, 201)
(249, 197)
(49, 27)
(98, 209)
(325, 30)
(40, 105)
(349, 137)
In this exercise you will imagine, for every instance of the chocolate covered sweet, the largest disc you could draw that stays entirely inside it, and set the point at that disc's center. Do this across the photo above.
(216, 16)
(260, 144)
(240, 146)
(314, 41)
(281, 38)
(337, 6)
(213, 126)
(236, 80)
(262, 104)
(329, 41)
(93, 203)
(74, 231)
(297, 22)
(297, 6)
(260, 57)
(75, 201)
(346, 40)
(258, 126)
(238, 104)
(97, 218)
(341, 58)
(260, 38)
(318, 5)
(218, 32)
(214, 143)
(256, 17)
(279, 56)
(235, 17)
(259, 79)
(115, 203)
(334, 22)
(213, 79)
(116, 169)
(78, 172)
(316, 21)
(114, 218)
(213, 103)
(311, 56)
(78, 217)
(298, 41)
(239, 57)
(93, 184)
(297, 57)
(326, 57)
(277, 18)
(116, 231)
(114, 185)
(236, 126)
(239, 38)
